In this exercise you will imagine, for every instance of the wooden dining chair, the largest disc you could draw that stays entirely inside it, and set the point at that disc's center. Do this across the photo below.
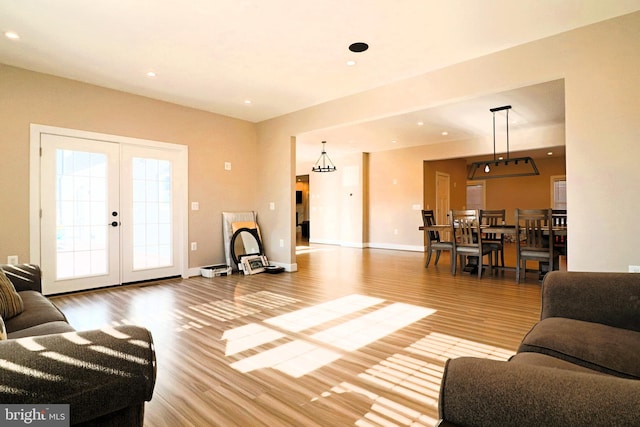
(495, 241)
(467, 238)
(559, 219)
(434, 244)
(534, 240)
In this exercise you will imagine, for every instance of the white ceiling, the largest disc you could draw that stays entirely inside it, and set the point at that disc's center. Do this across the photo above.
(283, 55)
(535, 106)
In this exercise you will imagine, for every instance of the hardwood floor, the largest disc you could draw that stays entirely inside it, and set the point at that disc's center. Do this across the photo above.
(355, 337)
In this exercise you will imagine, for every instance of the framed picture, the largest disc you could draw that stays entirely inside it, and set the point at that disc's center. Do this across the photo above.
(252, 264)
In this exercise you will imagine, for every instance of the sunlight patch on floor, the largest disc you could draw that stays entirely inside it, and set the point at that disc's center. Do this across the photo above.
(414, 373)
(304, 355)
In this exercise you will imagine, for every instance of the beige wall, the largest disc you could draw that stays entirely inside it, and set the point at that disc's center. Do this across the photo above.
(338, 203)
(600, 66)
(530, 192)
(27, 97)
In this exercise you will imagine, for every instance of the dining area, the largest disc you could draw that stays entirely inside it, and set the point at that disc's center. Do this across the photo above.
(481, 242)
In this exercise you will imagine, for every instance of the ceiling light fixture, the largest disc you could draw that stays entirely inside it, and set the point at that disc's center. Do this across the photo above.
(351, 63)
(11, 35)
(502, 167)
(151, 74)
(358, 47)
(324, 163)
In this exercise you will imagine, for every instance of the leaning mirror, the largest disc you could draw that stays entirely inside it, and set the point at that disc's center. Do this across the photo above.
(245, 242)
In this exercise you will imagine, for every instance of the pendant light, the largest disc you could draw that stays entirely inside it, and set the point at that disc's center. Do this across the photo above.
(502, 167)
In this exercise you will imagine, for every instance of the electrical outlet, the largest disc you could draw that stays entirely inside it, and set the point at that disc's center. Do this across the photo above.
(282, 243)
(634, 269)
(12, 259)
(195, 206)
(194, 246)
(227, 166)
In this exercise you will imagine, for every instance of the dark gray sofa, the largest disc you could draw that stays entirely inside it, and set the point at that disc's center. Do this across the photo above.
(105, 375)
(578, 366)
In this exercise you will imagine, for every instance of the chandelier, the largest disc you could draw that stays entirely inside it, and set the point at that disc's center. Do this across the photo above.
(324, 163)
(501, 167)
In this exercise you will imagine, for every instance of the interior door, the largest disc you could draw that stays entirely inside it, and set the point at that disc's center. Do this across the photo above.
(80, 234)
(109, 213)
(442, 198)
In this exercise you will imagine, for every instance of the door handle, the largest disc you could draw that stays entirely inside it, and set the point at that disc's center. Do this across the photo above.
(115, 224)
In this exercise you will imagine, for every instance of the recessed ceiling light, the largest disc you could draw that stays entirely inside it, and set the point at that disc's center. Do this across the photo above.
(420, 123)
(351, 63)
(550, 153)
(445, 133)
(394, 141)
(358, 47)
(247, 101)
(151, 74)
(11, 35)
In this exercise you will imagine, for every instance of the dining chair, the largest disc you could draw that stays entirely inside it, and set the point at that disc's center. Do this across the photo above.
(434, 244)
(559, 219)
(467, 238)
(495, 241)
(534, 237)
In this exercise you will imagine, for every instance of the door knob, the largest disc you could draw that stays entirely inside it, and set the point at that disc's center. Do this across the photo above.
(115, 223)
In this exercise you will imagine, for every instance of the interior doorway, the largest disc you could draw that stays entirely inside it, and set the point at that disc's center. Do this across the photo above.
(303, 226)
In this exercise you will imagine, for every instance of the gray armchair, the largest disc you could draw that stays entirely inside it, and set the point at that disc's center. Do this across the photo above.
(578, 366)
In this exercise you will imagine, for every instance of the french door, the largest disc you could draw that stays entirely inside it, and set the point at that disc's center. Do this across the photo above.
(109, 213)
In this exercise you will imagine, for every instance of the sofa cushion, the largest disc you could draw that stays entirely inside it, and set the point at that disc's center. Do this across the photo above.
(595, 346)
(37, 310)
(543, 360)
(10, 302)
(57, 327)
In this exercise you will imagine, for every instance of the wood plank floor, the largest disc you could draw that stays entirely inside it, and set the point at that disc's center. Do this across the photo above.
(355, 337)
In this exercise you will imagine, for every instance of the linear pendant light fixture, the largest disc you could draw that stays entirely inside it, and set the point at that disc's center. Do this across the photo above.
(324, 163)
(503, 167)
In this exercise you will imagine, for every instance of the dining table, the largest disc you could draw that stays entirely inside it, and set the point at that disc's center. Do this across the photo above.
(506, 229)
(560, 230)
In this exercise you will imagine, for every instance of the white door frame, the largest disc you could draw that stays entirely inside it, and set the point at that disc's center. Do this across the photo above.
(181, 152)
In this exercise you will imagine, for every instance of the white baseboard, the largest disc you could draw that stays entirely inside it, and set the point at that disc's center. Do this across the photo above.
(411, 248)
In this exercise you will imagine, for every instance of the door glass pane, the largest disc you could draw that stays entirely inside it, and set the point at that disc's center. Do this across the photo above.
(152, 207)
(81, 227)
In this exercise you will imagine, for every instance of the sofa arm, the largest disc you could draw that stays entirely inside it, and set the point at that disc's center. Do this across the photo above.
(96, 372)
(25, 277)
(483, 392)
(581, 296)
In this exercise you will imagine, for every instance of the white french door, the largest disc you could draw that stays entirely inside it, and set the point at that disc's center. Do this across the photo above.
(148, 208)
(109, 213)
